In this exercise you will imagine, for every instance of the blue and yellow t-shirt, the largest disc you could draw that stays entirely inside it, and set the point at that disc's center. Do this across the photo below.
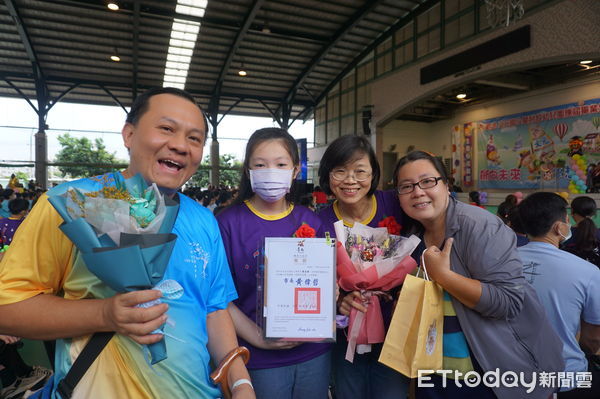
(42, 260)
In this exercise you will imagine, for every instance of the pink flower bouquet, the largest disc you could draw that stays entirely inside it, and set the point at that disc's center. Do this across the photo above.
(372, 261)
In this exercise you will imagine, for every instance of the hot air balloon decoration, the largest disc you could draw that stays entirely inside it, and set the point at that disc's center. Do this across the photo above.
(560, 130)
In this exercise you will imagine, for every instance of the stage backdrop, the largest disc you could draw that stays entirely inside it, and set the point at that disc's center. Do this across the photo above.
(535, 149)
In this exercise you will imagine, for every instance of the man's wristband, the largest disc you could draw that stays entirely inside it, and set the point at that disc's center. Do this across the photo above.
(240, 382)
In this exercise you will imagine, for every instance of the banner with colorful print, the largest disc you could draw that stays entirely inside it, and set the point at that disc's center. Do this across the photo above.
(552, 148)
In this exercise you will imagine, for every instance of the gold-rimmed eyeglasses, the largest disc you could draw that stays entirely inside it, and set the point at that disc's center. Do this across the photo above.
(343, 174)
(428, 182)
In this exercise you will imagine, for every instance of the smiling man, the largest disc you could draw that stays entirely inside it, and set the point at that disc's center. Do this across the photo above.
(47, 292)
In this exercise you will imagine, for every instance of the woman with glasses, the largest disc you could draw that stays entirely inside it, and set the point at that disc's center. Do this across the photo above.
(492, 317)
(349, 171)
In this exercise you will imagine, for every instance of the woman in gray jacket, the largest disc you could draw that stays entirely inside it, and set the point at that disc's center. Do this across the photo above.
(495, 330)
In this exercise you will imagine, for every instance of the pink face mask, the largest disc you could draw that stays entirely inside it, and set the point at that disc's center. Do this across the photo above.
(271, 184)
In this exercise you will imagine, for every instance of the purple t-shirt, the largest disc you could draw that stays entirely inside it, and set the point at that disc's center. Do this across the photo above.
(386, 204)
(8, 227)
(242, 230)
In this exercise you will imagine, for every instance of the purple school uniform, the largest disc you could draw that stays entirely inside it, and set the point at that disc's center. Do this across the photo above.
(242, 230)
(8, 227)
(387, 204)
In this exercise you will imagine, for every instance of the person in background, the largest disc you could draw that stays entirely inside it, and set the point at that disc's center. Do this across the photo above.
(223, 201)
(504, 210)
(308, 200)
(514, 222)
(13, 182)
(16, 376)
(454, 188)
(511, 199)
(474, 198)
(7, 195)
(568, 286)
(350, 171)
(279, 369)
(18, 208)
(585, 242)
(48, 293)
(492, 317)
(320, 198)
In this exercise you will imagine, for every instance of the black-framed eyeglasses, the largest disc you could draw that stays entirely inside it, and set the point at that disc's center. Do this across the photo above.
(428, 182)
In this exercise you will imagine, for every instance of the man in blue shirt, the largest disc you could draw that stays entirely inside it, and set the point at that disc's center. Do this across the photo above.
(568, 286)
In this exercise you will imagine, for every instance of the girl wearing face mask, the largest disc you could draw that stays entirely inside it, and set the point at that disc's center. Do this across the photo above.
(263, 209)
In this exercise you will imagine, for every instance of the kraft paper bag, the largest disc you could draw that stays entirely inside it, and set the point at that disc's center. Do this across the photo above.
(414, 339)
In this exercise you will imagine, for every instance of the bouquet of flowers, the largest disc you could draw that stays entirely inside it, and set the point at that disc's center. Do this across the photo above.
(372, 261)
(123, 234)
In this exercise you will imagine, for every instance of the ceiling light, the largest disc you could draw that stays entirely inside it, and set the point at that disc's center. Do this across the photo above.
(112, 6)
(242, 72)
(584, 62)
(115, 56)
(460, 96)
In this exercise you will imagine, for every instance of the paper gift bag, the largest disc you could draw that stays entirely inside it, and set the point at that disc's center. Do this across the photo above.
(414, 339)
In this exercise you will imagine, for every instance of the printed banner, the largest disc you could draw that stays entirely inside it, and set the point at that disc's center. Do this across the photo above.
(468, 151)
(552, 148)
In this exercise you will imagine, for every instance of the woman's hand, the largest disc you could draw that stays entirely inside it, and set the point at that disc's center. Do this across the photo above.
(353, 300)
(272, 344)
(437, 262)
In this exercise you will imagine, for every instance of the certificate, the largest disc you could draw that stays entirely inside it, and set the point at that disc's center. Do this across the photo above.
(299, 288)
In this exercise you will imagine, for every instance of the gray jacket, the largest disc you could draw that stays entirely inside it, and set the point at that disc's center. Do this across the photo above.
(508, 328)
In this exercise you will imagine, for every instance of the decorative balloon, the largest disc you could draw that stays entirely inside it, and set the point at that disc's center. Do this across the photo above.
(577, 174)
(561, 129)
(483, 197)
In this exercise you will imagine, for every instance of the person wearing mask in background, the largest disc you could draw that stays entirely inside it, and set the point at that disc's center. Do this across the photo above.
(279, 369)
(350, 171)
(568, 286)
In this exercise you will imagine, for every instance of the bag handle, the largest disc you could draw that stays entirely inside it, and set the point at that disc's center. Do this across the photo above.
(425, 275)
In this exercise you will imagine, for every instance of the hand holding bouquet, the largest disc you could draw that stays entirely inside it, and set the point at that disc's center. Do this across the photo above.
(372, 261)
(123, 234)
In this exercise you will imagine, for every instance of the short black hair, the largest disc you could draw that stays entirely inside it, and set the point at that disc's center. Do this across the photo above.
(416, 156)
(344, 150)
(539, 211)
(514, 218)
(474, 196)
(141, 103)
(584, 237)
(260, 136)
(17, 205)
(410, 225)
(584, 206)
(504, 210)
